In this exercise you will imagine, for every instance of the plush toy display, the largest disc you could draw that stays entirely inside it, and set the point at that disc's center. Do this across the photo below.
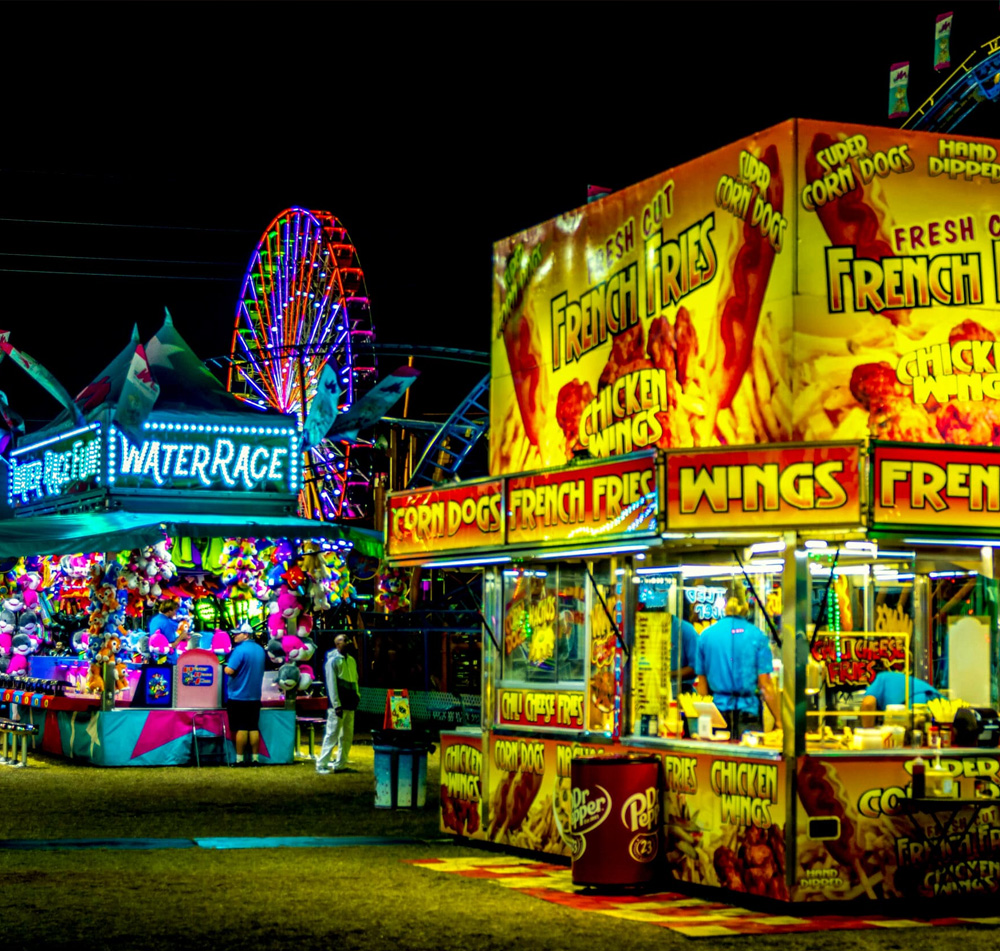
(96, 607)
(392, 590)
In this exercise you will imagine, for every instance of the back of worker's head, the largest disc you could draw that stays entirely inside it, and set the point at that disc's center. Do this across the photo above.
(736, 608)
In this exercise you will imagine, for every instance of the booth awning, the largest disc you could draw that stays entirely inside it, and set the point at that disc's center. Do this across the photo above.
(118, 531)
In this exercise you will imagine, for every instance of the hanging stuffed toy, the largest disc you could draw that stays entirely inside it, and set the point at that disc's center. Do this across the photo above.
(392, 590)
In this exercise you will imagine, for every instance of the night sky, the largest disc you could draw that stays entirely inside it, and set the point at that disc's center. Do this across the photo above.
(430, 131)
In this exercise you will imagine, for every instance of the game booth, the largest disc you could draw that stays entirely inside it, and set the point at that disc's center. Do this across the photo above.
(754, 400)
(109, 521)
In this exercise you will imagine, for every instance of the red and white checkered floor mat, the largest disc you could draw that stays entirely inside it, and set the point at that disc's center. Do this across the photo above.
(693, 917)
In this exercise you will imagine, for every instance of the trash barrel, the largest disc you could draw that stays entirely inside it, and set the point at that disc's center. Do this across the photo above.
(615, 819)
(400, 770)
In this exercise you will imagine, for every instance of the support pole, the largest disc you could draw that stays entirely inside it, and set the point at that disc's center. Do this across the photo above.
(795, 617)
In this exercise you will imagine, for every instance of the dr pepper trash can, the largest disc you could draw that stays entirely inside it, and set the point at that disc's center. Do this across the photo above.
(400, 770)
(615, 819)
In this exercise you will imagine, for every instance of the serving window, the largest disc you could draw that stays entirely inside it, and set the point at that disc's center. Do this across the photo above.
(675, 605)
(900, 641)
(545, 622)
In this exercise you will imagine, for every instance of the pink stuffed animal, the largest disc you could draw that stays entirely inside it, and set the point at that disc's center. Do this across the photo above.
(222, 643)
(306, 677)
(159, 646)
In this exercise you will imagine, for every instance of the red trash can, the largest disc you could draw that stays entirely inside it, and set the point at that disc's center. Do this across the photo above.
(615, 819)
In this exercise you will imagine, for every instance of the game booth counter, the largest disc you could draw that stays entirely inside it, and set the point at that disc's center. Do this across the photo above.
(753, 400)
(108, 523)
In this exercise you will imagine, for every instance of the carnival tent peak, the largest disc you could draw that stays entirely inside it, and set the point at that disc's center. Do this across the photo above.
(185, 382)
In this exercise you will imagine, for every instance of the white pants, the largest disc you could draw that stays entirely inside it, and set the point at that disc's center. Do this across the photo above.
(339, 733)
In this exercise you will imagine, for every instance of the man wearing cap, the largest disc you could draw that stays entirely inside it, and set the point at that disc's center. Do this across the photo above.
(734, 663)
(245, 669)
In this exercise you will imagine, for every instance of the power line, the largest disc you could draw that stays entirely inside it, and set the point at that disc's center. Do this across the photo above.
(155, 277)
(85, 257)
(108, 224)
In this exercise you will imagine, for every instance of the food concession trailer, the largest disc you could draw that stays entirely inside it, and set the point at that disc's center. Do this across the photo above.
(763, 384)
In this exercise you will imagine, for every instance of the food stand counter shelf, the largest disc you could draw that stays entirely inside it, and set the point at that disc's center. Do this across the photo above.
(400, 770)
(615, 819)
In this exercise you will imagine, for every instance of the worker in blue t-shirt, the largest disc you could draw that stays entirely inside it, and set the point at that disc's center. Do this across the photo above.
(889, 687)
(734, 665)
(683, 652)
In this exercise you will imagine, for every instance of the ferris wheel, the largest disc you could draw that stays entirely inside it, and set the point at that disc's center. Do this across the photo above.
(303, 305)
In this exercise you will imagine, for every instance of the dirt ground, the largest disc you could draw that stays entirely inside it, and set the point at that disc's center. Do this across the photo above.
(359, 897)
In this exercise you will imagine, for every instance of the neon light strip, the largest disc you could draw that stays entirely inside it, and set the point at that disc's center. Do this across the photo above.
(584, 552)
(61, 436)
(465, 561)
(955, 542)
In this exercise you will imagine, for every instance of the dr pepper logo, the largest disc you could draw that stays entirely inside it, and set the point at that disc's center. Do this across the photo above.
(640, 814)
(589, 809)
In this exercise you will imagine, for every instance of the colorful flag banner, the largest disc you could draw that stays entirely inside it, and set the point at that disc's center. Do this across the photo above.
(11, 423)
(42, 376)
(595, 192)
(324, 408)
(139, 394)
(942, 41)
(899, 78)
(368, 410)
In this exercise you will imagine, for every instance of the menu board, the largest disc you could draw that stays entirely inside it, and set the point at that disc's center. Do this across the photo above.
(651, 670)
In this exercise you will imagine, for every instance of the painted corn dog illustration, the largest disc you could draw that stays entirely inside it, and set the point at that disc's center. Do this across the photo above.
(851, 219)
(741, 312)
(524, 353)
(823, 796)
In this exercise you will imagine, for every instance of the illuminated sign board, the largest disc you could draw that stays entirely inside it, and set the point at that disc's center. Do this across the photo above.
(944, 487)
(174, 456)
(552, 709)
(774, 487)
(206, 457)
(585, 504)
(69, 463)
(855, 659)
(612, 324)
(434, 520)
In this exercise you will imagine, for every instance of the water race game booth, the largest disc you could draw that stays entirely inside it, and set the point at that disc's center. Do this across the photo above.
(752, 400)
(111, 513)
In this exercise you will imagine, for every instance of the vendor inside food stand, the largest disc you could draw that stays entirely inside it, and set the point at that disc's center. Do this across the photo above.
(889, 687)
(734, 665)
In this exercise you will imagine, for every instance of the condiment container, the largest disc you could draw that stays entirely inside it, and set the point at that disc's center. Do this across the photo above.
(867, 738)
(918, 789)
(892, 737)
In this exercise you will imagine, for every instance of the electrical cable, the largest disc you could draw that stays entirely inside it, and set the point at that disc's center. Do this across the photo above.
(84, 257)
(109, 224)
(763, 610)
(154, 277)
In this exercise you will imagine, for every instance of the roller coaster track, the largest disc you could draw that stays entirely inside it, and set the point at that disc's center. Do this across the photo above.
(450, 445)
(976, 80)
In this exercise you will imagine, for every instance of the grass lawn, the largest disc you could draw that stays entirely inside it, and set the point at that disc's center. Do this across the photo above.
(335, 899)
(55, 798)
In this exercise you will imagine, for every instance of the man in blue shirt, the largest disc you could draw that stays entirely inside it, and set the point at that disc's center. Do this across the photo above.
(733, 664)
(683, 651)
(166, 621)
(888, 687)
(245, 669)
